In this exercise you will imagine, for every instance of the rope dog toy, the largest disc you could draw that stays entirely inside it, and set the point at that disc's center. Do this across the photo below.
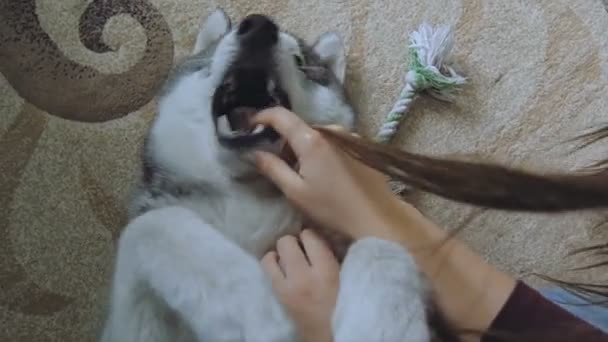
(429, 52)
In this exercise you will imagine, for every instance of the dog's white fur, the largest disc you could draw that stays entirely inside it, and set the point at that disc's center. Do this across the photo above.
(187, 269)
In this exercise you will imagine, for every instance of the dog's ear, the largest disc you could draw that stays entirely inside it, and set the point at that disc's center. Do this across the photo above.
(214, 27)
(331, 50)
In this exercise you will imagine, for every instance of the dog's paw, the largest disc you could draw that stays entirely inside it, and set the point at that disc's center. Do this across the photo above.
(382, 295)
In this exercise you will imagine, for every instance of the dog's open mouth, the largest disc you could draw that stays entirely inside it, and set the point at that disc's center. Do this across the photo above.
(234, 106)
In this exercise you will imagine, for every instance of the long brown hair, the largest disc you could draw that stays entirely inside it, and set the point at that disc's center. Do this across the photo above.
(480, 184)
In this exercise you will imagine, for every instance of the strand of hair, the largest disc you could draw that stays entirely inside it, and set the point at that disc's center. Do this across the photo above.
(484, 185)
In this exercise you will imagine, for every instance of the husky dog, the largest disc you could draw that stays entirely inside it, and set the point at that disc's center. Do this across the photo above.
(188, 262)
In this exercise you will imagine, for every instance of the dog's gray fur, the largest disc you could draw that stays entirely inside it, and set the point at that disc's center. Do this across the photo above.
(187, 267)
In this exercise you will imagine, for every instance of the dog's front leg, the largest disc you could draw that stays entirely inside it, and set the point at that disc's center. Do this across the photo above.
(170, 255)
(382, 295)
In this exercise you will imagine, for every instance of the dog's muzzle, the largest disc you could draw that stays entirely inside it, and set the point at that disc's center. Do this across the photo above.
(249, 86)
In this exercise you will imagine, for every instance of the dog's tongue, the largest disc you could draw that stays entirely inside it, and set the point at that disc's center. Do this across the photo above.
(240, 119)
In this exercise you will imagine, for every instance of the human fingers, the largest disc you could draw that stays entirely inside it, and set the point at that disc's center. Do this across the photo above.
(281, 174)
(270, 264)
(299, 135)
(292, 257)
(318, 252)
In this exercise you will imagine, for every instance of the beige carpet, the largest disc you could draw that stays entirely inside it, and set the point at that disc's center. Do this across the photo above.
(76, 96)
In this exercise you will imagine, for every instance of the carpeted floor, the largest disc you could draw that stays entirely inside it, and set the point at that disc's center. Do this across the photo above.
(77, 87)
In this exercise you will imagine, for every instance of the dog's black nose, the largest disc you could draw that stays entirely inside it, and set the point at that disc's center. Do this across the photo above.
(258, 30)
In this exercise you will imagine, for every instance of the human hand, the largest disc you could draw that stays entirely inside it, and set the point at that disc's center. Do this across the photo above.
(306, 282)
(331, 188)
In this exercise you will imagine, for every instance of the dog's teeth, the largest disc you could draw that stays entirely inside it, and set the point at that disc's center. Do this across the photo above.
(223, 126)
(258, 129)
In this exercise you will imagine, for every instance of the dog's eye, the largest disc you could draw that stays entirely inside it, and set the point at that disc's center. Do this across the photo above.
(298, 60)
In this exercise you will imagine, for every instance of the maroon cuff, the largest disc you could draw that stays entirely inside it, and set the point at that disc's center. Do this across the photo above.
(528, 314)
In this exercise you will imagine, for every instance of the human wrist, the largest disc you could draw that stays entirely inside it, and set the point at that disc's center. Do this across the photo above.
(402, 223)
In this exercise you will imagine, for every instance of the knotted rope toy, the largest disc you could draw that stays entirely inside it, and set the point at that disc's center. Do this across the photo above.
(429, 72)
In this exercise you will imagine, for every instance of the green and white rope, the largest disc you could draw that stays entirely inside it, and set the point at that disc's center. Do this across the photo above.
(428, 72)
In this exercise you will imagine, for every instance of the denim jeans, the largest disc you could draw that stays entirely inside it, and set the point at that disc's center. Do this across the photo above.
(596, 315)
